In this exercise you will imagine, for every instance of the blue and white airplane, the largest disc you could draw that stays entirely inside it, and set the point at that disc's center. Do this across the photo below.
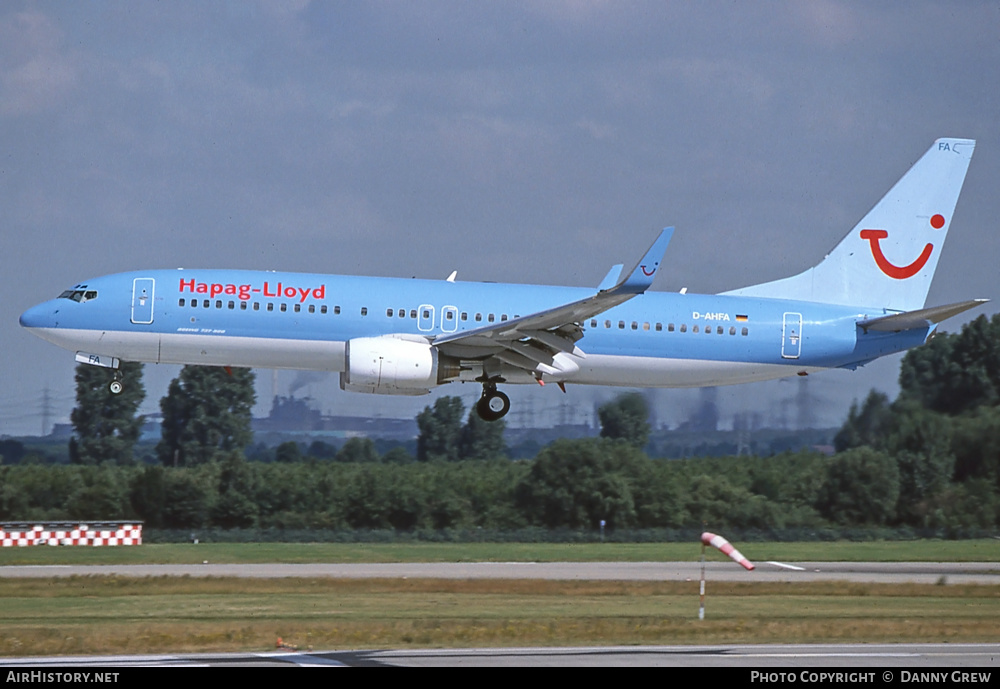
(404, 337)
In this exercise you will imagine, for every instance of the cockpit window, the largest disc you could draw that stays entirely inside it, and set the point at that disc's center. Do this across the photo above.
(80, 295)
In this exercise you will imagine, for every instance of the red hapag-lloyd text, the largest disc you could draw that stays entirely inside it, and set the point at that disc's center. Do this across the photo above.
(246, 292)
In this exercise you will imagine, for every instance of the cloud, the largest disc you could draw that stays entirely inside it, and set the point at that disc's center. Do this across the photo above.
(35, 73)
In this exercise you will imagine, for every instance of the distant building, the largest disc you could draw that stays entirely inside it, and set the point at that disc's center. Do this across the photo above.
(295, 415)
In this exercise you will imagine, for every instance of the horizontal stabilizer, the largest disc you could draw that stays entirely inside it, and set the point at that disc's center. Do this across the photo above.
(922, 318)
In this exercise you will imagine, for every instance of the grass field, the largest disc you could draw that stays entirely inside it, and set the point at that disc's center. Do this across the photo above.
(107, 615)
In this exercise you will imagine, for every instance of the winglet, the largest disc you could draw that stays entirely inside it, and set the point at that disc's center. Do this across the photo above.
(642, 276)
(611, 279)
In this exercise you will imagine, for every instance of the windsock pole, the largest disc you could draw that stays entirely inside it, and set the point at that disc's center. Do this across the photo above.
(701, 608)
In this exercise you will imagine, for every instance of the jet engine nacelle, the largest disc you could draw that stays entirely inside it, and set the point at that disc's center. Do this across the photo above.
(394, 366)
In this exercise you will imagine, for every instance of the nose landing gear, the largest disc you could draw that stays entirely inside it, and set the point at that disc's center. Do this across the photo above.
(116, 385)
(493, 405)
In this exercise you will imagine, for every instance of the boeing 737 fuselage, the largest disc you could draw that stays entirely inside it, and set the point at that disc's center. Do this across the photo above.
(406, 337)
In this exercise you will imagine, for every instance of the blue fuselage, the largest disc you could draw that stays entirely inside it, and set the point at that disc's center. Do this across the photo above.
(294, 320)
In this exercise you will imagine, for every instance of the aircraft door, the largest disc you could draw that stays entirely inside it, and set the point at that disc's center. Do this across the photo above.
(791, 336)
(142, 300)
(425, 318)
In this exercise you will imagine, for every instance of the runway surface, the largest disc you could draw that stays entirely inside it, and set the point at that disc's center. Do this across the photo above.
(873, 572)
(878, 657)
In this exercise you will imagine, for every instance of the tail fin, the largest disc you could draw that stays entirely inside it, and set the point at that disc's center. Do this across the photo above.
(888, 259)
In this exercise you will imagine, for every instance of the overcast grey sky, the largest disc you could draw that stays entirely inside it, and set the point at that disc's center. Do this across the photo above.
(516, 141)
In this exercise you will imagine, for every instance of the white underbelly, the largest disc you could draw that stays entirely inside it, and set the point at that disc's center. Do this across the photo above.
(650, 372)
(206, 350)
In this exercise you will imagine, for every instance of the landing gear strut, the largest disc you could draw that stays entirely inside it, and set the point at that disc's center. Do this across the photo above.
(493, 405)
(116, 385)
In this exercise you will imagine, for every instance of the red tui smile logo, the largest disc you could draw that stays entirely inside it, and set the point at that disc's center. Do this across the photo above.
(894, 271)
(886, 266)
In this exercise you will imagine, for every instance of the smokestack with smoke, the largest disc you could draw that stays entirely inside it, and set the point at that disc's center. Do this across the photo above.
(304, 378)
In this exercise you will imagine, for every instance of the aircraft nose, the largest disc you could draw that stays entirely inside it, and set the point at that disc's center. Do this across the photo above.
(41, 316)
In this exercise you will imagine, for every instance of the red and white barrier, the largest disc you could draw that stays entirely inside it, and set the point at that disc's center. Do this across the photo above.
(102, 534)
(726, 547)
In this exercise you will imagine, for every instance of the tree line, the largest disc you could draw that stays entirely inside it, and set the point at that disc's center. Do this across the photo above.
(571, 484)
(930, 460)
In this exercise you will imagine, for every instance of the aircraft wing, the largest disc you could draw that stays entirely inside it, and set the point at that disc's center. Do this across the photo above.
(921, 318)
(534, 342)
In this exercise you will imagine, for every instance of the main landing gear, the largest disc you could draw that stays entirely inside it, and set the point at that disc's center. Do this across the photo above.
(493, 405)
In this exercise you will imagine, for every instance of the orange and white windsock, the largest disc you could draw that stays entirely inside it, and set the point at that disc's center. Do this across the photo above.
(726, 547)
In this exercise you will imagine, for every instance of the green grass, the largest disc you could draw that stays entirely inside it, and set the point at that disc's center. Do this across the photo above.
(981, 550)
(101, 615)
(106, 615)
